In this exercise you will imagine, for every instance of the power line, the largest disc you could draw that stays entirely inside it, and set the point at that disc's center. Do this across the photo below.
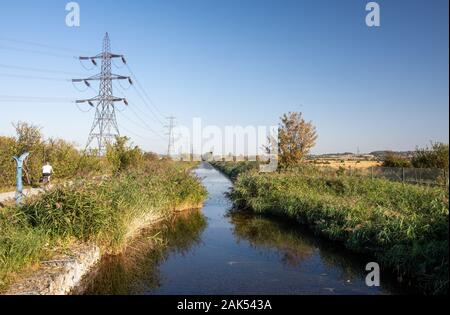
(144, 91)
(140, 110)
(138, 125)
(131, 108)
(30, 43)
(38, 52)
(37, 69)
(134, 133)
(171, 134)
(35, 98)
(157, 119)
(33, 77)
(145, 123)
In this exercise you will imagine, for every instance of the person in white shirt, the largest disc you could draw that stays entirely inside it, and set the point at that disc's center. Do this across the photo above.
(47, 171)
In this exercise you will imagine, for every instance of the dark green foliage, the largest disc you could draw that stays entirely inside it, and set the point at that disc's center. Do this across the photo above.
(435, 157)
(393, 160)
(234, 169)
(122, 157)
(66, 160)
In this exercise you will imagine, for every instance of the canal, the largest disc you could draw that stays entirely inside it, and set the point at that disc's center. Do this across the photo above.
(221, 251)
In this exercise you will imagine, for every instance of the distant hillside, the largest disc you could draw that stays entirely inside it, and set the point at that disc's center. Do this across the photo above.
(381, 154)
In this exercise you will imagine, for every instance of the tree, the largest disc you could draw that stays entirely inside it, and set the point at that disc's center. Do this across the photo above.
(296, 138)
(435, 157)
(394, 160)
(29, 139)
(121, 156)
(7, 164)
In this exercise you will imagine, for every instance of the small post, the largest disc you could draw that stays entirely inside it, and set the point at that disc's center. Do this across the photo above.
(403, 174)
(446, 178)
(19, 184)
(371, 172)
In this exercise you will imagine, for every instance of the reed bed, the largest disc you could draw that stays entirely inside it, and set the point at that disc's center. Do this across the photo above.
(93, 211)
(404, 227)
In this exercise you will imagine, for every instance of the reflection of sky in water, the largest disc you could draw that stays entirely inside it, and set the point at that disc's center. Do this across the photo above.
(245, 254)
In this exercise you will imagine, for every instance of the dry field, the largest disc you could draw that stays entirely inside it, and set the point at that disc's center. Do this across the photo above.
(347, 164)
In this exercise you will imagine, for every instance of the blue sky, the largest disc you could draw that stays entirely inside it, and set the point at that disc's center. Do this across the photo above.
(241, 63)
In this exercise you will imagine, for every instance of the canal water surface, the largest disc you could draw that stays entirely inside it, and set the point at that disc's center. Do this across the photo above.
(219, 251)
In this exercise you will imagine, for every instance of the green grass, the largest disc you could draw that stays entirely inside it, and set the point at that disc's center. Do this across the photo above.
(99, 212)
(404, 227)
(234, 169)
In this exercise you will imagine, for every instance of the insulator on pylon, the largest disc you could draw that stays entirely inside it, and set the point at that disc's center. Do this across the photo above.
(87, 83)
(123, 60)
(125, 101)
(130, 81)
(94, 62)
(90, 103)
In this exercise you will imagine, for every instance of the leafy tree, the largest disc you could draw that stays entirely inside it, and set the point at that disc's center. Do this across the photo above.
(435, 157)
(7, 165)
(394, 160)
(29, 139)
(121, 156)
(67, 161)
(296, 138)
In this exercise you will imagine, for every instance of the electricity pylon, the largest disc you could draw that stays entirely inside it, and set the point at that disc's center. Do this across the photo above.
(171, 134)
(104, 128)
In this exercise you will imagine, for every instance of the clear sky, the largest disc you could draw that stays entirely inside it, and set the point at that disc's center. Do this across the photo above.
(239, 63)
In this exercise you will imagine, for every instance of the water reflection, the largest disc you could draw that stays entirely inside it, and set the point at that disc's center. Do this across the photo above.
(294, 244)
(217, 251)
(136, 270)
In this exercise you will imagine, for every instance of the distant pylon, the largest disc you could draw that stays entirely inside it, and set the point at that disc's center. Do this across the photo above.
(171, 134)
(104, 128)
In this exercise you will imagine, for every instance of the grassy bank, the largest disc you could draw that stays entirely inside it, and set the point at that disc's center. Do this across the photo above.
(119, 274)
(234, 169)
(96, 211)
(404, 227)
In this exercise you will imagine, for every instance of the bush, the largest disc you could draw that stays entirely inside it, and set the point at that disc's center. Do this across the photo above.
(122, 157)
(394, 160)
(7, 165)
(66, 160)
(435, 157)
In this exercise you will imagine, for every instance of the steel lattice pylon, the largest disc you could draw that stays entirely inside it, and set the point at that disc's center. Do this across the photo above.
(104, 128)
(171, 134)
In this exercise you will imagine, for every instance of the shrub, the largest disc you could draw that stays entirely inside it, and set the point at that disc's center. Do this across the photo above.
(435, 157)
(66, 160)
(394, 160)
(122, 157)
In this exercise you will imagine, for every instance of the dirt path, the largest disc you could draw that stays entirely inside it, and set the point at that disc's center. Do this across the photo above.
(27, 192)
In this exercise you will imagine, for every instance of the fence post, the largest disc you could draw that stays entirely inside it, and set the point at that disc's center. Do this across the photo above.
(445, 178)
(371, 172)
(19, 184)
(403, 175)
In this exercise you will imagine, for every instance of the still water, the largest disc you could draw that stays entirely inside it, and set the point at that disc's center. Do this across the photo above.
(219, 251)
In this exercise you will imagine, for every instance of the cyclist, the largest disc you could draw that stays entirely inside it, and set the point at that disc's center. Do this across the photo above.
(47, 171)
